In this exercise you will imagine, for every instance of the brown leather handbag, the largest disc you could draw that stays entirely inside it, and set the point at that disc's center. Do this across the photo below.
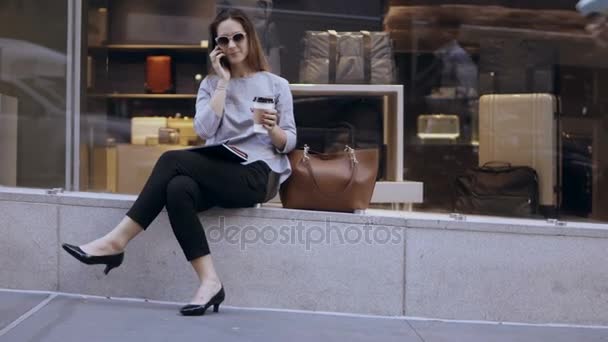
(330, 181)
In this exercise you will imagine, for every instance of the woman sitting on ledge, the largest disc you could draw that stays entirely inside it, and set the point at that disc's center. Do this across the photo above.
(187, 182)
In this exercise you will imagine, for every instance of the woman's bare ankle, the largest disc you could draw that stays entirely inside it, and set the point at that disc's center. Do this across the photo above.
(103, 246)
(209, 287)
(117, 245)
(211, 281)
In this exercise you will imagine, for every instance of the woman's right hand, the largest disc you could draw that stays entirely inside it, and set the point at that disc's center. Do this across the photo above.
(220, 70)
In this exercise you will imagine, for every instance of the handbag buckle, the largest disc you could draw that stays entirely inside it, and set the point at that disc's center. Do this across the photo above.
(351, 152)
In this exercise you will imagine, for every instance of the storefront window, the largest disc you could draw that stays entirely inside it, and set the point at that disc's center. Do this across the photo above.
(33, 63)
(505, 85)
(503, 100)
(145, 62)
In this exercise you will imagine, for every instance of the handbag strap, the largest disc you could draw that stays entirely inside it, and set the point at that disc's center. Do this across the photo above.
(333, 53)
(353, 163)
(497, 165)
(367, 56)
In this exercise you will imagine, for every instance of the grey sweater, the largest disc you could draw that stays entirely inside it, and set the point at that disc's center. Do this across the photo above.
(236, 125)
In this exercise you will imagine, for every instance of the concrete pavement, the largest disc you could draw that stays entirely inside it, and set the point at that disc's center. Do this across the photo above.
(50, 317)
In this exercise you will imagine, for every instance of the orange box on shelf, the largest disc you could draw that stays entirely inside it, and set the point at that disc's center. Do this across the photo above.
(159, 78)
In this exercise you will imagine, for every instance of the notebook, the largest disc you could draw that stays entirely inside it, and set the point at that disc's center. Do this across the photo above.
(222, 151)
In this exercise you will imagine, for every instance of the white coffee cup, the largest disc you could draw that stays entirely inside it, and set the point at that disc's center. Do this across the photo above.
(261, 104)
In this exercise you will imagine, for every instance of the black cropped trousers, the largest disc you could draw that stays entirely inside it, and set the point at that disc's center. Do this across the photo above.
(188, 182)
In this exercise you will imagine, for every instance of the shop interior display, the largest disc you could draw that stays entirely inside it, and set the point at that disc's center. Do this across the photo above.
(143, 69)
(447, 54)
(438, 127)
(120, 105)
(500, 189)
(451, 53)
(362, 57)
(521, 129)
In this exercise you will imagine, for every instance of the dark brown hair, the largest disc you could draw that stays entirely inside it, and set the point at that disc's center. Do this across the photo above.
(255, 56)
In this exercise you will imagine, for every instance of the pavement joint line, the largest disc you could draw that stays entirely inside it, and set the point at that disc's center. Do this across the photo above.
(409, 324)
(28, 314)
(58, 250)
(404, 280)
(140, 300)
(518, 324)
(325, 313)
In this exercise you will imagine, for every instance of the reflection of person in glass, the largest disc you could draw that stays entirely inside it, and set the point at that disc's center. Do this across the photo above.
(595, 11)
(187, 182)
(596, 14)
(269, 35)
(457, 90)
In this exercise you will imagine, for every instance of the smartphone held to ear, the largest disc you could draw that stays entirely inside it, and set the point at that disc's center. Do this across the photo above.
(224, 61)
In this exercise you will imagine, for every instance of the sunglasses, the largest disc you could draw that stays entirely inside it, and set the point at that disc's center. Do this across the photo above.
(223, 41)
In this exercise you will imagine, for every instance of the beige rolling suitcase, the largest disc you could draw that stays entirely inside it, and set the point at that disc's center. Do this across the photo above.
(522, 129)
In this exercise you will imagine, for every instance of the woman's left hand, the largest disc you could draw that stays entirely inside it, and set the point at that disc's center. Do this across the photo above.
(270, 119)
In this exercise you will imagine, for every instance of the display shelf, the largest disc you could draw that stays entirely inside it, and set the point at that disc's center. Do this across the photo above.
(144, 47)
(472, 50)
(393, 114)
(143, 96)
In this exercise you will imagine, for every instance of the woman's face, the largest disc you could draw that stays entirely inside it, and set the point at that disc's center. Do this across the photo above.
(236, 50)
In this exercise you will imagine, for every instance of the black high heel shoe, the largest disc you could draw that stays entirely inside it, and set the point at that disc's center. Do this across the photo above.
(199, 310)
(111, 261)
